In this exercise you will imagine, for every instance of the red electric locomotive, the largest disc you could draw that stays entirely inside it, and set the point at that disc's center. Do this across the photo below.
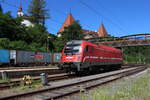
(79, 55)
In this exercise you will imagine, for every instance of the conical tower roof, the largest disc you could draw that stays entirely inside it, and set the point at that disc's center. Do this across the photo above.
(102, 31)
(69, 20)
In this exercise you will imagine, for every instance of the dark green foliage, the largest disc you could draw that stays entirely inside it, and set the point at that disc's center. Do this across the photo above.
(4, 43)
(18, 45)
(1, 9)
(59, 44)
(37, 11)
(72, 32)
(50, 40)
(14, 35)
(37, 34)
(138, 54)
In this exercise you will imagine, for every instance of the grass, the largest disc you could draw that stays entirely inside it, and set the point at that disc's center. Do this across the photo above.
(131, 89)
(5, 80)
(148, 66)
(35, 85)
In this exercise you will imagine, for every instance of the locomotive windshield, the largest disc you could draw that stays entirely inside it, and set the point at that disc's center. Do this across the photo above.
(72, 48)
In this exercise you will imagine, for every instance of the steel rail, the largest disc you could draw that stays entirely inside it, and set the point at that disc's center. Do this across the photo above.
(8, 85)
(67, 87)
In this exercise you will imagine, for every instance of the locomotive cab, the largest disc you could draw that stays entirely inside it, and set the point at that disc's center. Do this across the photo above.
(71, 55)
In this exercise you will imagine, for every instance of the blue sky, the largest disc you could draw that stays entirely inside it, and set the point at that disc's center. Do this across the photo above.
(120, 17)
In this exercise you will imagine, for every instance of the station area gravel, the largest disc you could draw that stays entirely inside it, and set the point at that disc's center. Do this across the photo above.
(135, 87)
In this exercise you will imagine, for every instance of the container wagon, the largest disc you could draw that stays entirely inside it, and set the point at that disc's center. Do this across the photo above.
(56, 58)
(4, 57)
(21, 58)
(18, 57)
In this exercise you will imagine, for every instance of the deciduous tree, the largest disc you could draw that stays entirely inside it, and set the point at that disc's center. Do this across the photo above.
(73, 32)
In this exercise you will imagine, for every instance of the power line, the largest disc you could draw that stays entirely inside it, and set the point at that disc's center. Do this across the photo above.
(60, 12)
(58, 22)
(12, 5)
(108, 10)
(101, 15)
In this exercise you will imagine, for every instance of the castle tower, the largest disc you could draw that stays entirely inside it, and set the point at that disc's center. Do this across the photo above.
(102, 31)
(20, 11)
(69, 20)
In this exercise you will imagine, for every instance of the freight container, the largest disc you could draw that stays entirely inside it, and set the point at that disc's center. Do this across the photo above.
(25, 57)
(4, 56)
(56, 57)
(29, 57)
(13, 56)
(43, 57)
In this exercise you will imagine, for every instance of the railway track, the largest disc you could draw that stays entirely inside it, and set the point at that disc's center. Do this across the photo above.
(124, 66)
(66, 87)
(15, 83)
(34, 67)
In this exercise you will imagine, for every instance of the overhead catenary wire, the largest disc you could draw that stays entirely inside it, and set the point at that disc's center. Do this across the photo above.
(109, 11)
(101, 15)
(12, 5)
(53, 20)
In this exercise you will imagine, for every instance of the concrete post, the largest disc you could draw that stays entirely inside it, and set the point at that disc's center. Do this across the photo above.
(4, 75)
(44, 79)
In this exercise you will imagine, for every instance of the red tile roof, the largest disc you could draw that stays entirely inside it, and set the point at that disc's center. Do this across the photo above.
(102, 31)
(69, 20)
(88, 31)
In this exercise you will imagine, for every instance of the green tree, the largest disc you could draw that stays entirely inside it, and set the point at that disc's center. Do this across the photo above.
(4, 43)
(11, 27)
(58, 44)
(37, 34)
(18, 45)
(14, 35)
(37, 11)
(1, 10)
(73, 32)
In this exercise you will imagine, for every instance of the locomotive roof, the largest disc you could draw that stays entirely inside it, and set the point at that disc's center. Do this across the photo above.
(104, 47)
(95, 45)
(75, 41)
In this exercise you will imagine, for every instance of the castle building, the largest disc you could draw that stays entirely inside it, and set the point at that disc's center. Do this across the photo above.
(88, 33)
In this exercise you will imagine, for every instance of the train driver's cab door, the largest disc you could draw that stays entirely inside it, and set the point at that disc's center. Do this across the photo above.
(86, 50)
